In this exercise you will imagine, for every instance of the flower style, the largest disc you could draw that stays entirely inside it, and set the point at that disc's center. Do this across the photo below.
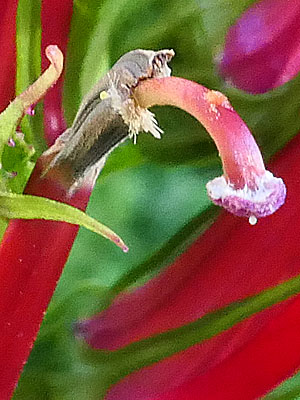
(246, 188)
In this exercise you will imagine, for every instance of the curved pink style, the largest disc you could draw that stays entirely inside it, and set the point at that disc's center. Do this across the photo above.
(246, 189)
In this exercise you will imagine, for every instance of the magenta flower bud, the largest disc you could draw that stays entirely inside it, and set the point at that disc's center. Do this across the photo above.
(262, 50)
(246, 189)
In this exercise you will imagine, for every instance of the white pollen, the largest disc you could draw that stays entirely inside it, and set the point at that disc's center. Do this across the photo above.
(137, 118)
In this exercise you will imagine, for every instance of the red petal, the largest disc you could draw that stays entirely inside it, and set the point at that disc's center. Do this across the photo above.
(7, 51)
(270, 357)
(33, 254)
(262, 50)
(56, 20)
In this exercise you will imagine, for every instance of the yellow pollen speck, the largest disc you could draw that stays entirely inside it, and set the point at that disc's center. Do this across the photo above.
(216, 99)
(104, 95)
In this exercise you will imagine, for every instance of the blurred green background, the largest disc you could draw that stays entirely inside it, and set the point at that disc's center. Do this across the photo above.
(149, 192)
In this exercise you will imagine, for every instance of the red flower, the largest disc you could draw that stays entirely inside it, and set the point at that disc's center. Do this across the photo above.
(56, 21)
(262, 49)
(7, 47)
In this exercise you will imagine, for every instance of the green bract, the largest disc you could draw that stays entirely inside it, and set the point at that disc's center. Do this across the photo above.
(34, 207)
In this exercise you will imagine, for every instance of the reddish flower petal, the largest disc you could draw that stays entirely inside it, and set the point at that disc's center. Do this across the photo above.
(201, 280)
(274, 354)
(7, 51)
(33, 254)
(262, 50)
(56, 20)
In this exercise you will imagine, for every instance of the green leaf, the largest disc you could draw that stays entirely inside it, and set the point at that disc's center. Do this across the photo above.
(97, 297)
(288, 390)
(28, 40)
(126, 156)
(146, 352)
(32, 207)
(168, 252)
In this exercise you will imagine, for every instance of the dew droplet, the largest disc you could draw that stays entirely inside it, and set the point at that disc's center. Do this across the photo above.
(252, 220)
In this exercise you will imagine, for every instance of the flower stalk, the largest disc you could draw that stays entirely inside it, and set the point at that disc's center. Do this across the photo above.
(38, 89)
